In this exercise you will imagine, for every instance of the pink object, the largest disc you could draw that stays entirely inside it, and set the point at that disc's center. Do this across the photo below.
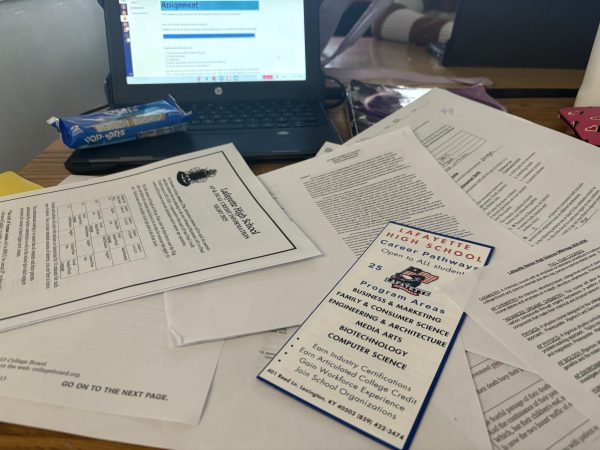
(584, 122)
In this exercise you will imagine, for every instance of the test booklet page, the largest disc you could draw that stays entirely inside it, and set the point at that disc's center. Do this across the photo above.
(224, 424)
(268, 420)
(543, 305)
(117, 360)
(370, 354)
(189, 219)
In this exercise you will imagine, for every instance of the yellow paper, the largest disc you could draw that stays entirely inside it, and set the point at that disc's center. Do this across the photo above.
(11, 183)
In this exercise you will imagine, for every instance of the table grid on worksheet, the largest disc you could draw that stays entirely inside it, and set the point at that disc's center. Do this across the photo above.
(96, 234)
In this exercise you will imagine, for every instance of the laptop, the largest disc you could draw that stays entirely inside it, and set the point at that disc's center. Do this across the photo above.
(517, 33)
(248, 69)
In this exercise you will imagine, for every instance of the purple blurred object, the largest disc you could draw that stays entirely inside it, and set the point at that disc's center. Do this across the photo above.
(369, 102)
(479, 94)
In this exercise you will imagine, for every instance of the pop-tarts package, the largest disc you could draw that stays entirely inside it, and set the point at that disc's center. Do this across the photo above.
(123, 124)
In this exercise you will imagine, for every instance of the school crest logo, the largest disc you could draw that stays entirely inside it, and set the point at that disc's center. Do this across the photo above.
(411, 279)
(196, 175)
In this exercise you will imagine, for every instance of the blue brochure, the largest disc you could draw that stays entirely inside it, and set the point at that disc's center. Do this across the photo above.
(371, 353)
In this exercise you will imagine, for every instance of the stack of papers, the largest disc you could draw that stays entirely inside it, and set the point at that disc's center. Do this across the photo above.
(222, 258)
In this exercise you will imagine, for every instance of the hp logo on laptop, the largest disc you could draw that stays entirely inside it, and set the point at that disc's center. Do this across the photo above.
(218, 90)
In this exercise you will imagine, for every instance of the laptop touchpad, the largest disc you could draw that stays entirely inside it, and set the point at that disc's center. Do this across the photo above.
(244, 142)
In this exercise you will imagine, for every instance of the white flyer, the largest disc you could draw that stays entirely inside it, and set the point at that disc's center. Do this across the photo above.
(370, 354)
(524, 412)
(474, 338)
(184, 220)
(508, 166)
(544, 306)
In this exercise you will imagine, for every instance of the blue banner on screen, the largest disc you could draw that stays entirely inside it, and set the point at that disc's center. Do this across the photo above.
(209, 36)
(210, 6)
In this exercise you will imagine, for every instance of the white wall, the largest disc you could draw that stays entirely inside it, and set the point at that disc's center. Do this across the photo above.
(52, 62)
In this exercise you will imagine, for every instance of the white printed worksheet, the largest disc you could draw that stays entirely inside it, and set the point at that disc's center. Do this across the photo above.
(185, 220)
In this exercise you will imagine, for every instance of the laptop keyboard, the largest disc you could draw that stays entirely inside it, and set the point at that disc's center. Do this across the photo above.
(252, 115)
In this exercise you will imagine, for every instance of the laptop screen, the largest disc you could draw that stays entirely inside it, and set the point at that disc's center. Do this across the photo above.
(173, 42)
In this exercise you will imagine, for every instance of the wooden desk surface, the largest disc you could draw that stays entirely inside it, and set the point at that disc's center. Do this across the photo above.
(47, 168)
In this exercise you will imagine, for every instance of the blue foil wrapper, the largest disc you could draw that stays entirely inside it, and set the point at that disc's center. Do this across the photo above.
(123, 124)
